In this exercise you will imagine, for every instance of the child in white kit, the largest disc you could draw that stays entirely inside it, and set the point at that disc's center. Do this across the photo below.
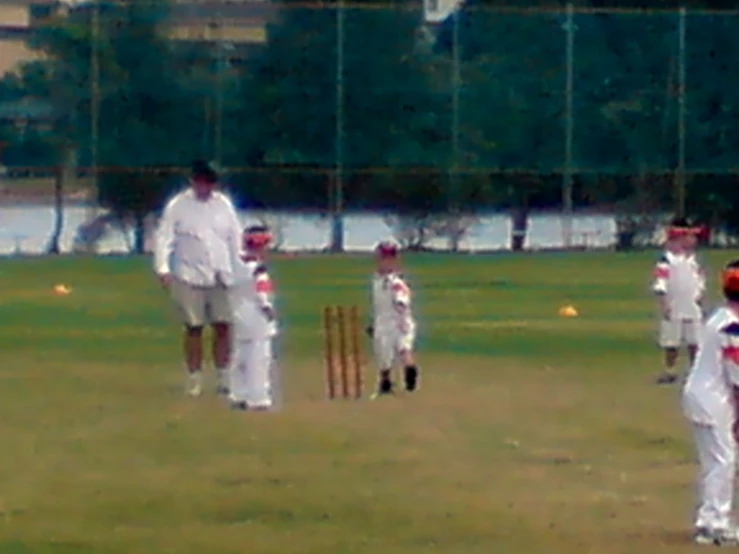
(393, 328)
(254, 326)
(680, 284)
(709, 403)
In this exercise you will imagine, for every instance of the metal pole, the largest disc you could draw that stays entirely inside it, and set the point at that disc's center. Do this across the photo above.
(95, 98)
(220, 81)
(456, 85)
(567, 203)
(680, 184)
(337, 227)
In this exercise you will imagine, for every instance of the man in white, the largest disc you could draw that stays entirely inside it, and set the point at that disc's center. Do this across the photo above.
(255, 326)
(709, 404)
(393, 329)
(680, 284)
(198, 239)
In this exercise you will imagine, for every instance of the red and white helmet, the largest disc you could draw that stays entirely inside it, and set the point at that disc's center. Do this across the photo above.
(387, 249)
(257, 236)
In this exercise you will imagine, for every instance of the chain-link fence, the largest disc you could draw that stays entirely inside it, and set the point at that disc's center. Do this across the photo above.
(332, 109)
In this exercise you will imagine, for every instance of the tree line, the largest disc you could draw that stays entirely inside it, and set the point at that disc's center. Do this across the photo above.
(366, 108)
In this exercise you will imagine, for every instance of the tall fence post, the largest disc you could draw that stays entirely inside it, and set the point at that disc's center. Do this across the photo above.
(454, 180)
(680, 182)
(337, 188)
(567, 201)
(94, 109)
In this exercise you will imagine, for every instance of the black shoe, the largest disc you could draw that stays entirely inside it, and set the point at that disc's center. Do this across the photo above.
(411, 378)
(222, 390)
(667, 378)
(385, 388)
(239, 406)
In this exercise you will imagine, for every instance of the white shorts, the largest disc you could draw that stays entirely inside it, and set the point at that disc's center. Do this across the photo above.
(675, 333)
(389, 346)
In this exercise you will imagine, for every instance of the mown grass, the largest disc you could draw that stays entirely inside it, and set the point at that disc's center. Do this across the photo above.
(531, 433)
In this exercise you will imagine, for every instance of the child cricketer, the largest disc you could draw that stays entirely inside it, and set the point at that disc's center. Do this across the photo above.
(254, 326)
(679, 283)
(709, 403)
(393, 328)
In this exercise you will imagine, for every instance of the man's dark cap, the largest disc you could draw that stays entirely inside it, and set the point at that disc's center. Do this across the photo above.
(201, 169)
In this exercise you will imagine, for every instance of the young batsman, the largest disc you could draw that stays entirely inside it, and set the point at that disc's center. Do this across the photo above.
(710, 406)
(393, 328)
(679, 283)
(255, 326)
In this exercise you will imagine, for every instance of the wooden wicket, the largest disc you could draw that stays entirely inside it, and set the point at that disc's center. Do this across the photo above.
(343, 352)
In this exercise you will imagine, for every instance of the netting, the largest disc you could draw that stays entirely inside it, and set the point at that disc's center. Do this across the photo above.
(328, 109)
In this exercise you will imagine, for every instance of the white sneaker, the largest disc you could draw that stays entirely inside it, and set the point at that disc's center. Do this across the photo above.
(716, 537)
(194, 386)
(726, 537)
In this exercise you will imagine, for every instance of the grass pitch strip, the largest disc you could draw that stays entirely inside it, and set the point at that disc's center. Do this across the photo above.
(531, 433)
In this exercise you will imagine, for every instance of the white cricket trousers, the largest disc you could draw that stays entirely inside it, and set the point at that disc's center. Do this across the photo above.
(389, 343)
(251, 372)
(717, 457)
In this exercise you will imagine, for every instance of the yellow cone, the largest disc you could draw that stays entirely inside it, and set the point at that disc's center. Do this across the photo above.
(62, 290)
(568, 311)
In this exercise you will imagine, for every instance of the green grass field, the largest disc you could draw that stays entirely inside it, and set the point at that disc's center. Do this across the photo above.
(530, 434)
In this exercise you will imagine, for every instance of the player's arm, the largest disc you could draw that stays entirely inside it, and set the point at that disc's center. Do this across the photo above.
(401, 296)
(264, 291)
(660, 278)
(164, 243)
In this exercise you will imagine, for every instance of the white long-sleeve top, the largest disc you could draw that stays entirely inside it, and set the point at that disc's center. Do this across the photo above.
(391, 304)
(681, 280)
(197, 240)
(252, 302)
(708, 393)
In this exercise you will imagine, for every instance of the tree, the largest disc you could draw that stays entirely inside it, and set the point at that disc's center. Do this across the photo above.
(415, 231)
(626, 68)
(58, 81)
(132, 195)
(145, 114)
(509, 89)
(291, 89)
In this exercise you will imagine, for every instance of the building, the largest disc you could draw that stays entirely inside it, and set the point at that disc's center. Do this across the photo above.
(235, 26)
(233, 21)
(17, 18)
(239, 24)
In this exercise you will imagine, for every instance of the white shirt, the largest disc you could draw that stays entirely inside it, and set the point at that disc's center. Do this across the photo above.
(708, 392)
(680, 278)
(198, 240)
(252, 299)
(391, 304)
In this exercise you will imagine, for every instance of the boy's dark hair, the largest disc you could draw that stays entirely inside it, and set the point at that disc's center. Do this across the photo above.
(730, 281)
